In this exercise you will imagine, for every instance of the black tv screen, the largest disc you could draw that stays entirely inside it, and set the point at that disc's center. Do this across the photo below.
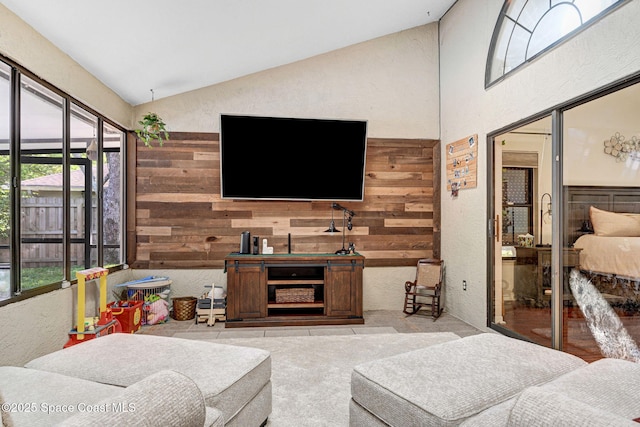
(281, 158)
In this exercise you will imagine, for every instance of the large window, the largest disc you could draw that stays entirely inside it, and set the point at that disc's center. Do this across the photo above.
(5, 182)
(60, 187)
(41, 210)
(526, 28)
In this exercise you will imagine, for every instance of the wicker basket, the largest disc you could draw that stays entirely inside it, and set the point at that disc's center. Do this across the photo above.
(184, 308)
(294, 295)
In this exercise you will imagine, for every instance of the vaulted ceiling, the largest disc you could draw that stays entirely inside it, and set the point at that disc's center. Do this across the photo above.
(159, 48)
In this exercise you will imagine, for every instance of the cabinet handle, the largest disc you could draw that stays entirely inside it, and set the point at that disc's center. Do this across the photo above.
(497, 228)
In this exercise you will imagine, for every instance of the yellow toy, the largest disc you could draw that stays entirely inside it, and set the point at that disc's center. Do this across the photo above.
(105, 323)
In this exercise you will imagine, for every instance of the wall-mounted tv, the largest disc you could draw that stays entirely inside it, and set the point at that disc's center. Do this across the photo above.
(279, 158)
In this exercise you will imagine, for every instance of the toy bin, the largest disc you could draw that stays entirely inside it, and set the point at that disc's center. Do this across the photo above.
(144, 290)
(128, 313)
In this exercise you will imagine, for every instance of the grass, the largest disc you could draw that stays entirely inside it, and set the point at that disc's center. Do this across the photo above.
(36, 277)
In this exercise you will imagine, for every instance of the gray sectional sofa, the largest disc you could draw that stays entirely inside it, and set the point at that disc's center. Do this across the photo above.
(492, 380)
(129, 379)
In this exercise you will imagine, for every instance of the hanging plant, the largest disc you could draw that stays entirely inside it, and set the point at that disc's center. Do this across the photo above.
(153, 128)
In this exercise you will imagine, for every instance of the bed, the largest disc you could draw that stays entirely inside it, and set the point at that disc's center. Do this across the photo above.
(608, 237)
(614, 246)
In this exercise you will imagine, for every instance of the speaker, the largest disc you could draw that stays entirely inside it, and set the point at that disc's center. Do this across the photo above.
(255, 245)
(245, 242)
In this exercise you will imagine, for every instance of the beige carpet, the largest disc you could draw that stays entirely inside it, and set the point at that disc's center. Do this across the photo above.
(311, 374)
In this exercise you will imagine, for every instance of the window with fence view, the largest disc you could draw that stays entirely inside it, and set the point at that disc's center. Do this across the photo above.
(60, 188)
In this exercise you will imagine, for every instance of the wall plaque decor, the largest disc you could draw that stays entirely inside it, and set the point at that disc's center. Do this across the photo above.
(462, 164)
(621, 148)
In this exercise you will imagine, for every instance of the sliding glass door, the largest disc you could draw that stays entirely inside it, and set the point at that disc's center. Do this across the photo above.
(565, 269)
(601, 189)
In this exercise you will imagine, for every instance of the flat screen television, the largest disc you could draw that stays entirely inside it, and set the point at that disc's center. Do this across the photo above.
(278, 158)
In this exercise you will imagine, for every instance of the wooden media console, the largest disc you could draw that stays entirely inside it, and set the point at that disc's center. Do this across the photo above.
(293, 289)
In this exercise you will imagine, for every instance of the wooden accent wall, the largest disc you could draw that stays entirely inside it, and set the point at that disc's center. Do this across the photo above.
(181, 221)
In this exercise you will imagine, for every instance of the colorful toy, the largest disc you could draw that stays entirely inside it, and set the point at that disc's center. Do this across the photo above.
(148, 290)
(157, 309)
(92, 327)
(128, 313)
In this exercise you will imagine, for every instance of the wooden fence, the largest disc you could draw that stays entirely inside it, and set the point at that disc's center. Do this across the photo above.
(43, 218)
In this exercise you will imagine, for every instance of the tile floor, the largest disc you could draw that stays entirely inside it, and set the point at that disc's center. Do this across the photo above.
(376, 321)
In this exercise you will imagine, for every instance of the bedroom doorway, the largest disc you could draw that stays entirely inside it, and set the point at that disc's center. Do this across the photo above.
(522, 198)
(565, 270)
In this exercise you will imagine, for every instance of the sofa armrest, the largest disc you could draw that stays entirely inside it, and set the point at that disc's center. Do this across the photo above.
(166, 398)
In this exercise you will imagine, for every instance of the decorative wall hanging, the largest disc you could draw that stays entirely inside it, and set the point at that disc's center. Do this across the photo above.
(622, 149)
(462, 164)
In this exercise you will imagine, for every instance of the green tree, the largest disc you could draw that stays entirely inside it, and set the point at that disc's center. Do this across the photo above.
(5, 181)
(28, 171)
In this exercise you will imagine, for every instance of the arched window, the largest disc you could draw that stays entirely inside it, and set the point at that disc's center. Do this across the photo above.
(527, 28)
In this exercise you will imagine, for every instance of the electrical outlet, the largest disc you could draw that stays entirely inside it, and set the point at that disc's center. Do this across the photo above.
(464, 285)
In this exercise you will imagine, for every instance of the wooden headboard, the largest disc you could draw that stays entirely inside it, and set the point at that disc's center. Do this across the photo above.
(579, 198)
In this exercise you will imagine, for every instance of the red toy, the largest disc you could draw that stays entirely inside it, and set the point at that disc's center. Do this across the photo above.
(128, 313)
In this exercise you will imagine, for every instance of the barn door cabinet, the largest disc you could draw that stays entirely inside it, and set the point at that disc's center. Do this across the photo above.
(293, 290)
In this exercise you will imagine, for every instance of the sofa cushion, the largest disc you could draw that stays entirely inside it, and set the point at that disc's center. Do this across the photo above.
(166, 398)
(446, 383)
(539, 407)
(39, 398)
(496, 415)
(605, 386)
(228, 376)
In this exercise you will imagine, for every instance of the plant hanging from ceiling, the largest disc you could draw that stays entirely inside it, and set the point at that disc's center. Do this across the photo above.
(153, 128)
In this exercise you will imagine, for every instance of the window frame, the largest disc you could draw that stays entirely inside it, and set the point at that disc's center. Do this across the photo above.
(529, 178)
(503, 17)
(16, 73)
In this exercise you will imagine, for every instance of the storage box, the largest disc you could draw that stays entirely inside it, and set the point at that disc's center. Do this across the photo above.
(128, 313)
(294, 295)
(217, 303)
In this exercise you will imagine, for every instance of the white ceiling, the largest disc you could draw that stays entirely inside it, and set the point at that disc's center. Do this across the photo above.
(171, 46)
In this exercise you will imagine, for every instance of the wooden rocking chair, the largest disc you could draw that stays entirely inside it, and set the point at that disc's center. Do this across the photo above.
(426, 290)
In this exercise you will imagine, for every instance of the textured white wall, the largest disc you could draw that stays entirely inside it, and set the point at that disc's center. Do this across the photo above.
(37, 326)
(390, 81)
(603, 53)
(383, 287)
(588, 126)
(21, 43)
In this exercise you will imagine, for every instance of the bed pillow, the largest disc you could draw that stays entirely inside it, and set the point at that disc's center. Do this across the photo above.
(614, 224)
